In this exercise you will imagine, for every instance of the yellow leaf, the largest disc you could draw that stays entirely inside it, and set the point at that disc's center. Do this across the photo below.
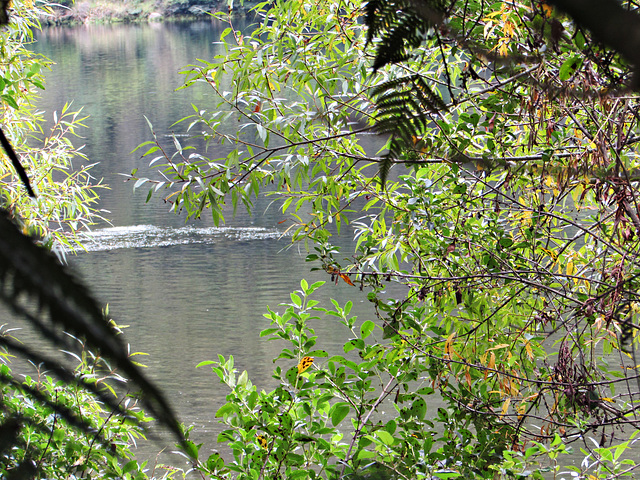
(505, 405)
(527, 347)
(550, 253)
(503, 47)
(509, 29)
(262, 440)
(571, 269)
(304, 364)
(492, 361)
(447, 344)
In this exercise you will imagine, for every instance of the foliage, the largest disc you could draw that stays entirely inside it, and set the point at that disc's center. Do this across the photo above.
(514, 225)
(66, 196)
(299, 430)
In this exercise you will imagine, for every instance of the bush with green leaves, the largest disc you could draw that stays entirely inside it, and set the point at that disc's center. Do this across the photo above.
(364, 413)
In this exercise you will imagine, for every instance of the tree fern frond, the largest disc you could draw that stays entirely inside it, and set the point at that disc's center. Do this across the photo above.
(62, 411)
(394, 47)
(404, 108)
(54, 368)
(401, 25)
(379, 16)
(413, 90)
(383, 169)
(429, 99)
(31, 273)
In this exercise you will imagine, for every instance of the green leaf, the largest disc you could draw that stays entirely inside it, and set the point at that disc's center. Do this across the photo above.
(364, 454)
(268, 331)
(569, 67)
(385, 437)
(506, 242)
(355, 343)
(447, 474)
(297, 301)
(292, 375)
(425, 391)
(418, 408)
(132, 465)
(338, 412)
(318, 353)
(243, 378)
(205, 363)
(9, 100)
(366, 328)
(191, 448)
(226, 409)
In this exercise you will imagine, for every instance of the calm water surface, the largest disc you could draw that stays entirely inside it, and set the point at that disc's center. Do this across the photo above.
(188, 291)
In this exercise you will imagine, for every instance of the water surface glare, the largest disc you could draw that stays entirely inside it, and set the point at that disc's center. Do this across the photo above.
(150, 236)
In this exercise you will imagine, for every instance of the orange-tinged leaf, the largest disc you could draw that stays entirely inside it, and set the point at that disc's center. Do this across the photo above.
(304, 364)
(491, 365)
(492, 361)
(498, 347)
(447, 344)
(346, 278)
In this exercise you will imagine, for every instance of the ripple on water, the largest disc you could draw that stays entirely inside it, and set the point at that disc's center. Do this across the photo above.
(148, 236)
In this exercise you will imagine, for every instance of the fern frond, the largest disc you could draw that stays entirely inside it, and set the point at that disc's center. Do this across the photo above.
(31, 274)
(404, 109)
(401, 26)
(62, 411)
(379, 16)
(53, 368)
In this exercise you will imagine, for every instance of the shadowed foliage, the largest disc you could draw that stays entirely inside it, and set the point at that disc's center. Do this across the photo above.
(404, 104)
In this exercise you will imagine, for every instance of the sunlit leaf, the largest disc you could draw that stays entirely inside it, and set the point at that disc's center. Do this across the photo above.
(304, 364)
